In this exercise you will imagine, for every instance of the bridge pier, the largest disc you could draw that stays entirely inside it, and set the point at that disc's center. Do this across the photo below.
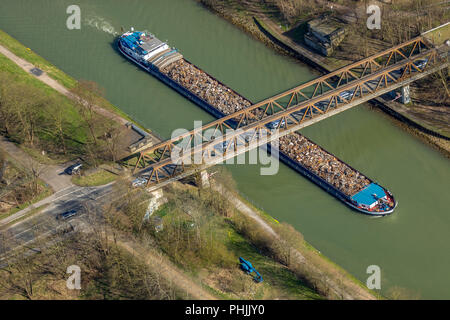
(156, 201)
(405, 94)
(204, 179)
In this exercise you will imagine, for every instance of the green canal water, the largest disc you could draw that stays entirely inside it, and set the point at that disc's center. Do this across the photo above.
(412, 246)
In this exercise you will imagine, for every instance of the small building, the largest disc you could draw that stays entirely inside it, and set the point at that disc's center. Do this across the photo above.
(325, 34)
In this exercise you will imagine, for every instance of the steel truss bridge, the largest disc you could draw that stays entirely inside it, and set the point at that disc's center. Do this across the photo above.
(289, 111)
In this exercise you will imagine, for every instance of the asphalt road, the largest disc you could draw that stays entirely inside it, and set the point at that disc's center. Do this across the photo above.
(25, 233)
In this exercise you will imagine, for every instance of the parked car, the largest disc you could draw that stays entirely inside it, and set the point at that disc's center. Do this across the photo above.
(274, 124)
(221, 147)
(346, 94)
(139, 182)
(74, 169)
(322, 104)
(421, 63)
(66, 215)
(250, 135)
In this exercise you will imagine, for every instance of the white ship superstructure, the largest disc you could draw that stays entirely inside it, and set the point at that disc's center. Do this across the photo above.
(148, 50)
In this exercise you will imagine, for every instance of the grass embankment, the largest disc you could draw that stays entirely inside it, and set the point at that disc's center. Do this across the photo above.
(98, 178)
(71, 118)
(195, 230)
(27, 54)
(316, 268)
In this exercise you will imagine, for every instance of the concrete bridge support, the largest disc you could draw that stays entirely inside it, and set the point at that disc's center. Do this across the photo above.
(204, 179)
(405, 94)
(156, 200)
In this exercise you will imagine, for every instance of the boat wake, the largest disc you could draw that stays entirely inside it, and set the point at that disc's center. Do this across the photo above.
(101, 24)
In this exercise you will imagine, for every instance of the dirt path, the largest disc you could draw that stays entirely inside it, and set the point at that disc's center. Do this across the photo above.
(53, 175)
(167, 270)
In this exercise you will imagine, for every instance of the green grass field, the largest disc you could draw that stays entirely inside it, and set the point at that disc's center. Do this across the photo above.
(215, 263)
(72, 117)
(27, 54)
(98, 178)
(439, 35)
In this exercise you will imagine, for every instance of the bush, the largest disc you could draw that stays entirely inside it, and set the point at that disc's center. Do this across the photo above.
(193, 226)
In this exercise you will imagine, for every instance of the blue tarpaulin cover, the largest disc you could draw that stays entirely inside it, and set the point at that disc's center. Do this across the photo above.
(365, 196)
(131, 41)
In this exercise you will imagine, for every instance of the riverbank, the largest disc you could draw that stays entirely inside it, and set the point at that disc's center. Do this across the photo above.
(288, 246)
(54, 83)
(65, 81)
(442, 145)
(268, 29)
(204, 230)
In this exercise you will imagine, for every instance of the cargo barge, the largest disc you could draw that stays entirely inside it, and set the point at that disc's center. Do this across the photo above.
(169, 66)
(365, 196)
(129, 45)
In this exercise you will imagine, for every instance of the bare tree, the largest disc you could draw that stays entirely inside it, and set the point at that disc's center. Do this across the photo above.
(6, 114)
(87, 95)
(3, 164)
(56, 111)
(26, 103)
(112, 138)
(35, 169)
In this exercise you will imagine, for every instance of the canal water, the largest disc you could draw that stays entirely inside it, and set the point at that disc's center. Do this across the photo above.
(411, 246)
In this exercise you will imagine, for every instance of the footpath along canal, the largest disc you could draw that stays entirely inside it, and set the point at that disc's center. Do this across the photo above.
(411, 246)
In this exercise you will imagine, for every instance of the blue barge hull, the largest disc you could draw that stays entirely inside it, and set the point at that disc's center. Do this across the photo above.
(327, 186)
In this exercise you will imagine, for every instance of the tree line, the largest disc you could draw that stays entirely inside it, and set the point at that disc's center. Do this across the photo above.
(107, 271)
(45, 121)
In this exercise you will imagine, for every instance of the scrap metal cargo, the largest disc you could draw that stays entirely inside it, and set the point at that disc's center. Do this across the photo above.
(205, 86)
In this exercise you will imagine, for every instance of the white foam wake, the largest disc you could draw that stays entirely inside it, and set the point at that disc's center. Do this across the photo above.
(101, 24)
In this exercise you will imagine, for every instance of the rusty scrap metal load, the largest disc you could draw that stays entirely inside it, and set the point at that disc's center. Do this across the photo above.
(206, 87)
(294, 145)
(323, 164)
